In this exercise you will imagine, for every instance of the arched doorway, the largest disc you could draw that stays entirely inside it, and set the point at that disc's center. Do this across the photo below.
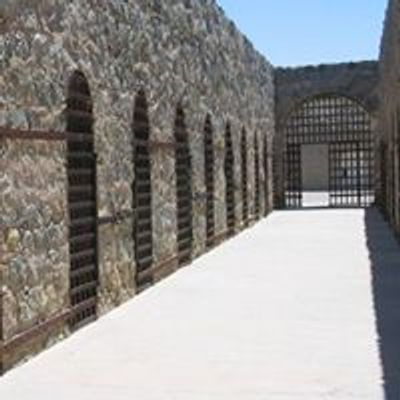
(183, 170)
(209, 180)
(81, 169)
(142, 199)
(329, 158)
(229, 182)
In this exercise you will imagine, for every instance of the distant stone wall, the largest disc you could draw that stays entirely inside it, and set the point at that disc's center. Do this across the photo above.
(178, 52)
(389, 116)
(358, 81)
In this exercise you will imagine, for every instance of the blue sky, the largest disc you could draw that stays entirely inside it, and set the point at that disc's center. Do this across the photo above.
(301, 32)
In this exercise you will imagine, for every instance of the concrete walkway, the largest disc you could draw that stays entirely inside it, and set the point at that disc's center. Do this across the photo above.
(303, 306)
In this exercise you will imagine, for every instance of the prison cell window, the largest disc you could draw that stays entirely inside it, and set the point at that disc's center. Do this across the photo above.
(142, 198)
(81, 170)
(266, 176)
(209, 180)
(245, 204)
(229, 182)
(256, 179)
(183, 173)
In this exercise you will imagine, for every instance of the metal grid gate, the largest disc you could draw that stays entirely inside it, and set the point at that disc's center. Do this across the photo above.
(81, 167)
(350, 174)
(245, 205)
(209, 180)
(183, 169)
(293, 190)
(345, 127)
(229, 182)
(142, 193)
(256, 178)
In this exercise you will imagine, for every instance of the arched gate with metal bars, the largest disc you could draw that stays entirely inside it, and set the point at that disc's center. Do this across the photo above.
(142, 198)
(245, 203)
(229, 182)
(82, 204)
(183, 171)
(345, 127)
(266, 176)
(256, 178)
(209, 180)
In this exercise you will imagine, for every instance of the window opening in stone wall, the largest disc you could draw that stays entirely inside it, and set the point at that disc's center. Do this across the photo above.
(183, 169)
(81, 169)
(229, 182)
(256, 178)
(245, 202)
(266, 176)
(142, 199)
(329, 158)
(209, 180)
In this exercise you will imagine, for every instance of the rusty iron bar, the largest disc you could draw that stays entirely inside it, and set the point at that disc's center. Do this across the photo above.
(160, 145)
(31, 334)
(51, 135)
(25, 134)
(117, 218)
(159, 267)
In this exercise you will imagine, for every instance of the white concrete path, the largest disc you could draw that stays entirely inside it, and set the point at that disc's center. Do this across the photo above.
(284, 311)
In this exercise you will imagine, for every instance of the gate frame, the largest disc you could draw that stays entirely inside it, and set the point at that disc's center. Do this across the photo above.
(292, 177)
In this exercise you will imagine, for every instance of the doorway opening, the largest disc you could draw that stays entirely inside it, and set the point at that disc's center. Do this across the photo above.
(315, 175)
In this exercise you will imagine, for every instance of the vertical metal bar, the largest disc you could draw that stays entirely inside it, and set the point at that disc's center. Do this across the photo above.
(96, 233)
(1, 321)
(358, 172)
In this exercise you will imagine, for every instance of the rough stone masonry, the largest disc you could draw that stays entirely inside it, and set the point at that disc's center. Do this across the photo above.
(179, 52)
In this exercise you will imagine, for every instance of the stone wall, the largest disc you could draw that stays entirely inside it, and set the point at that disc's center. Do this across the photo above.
(389, 116)
(357, 81)
(178, 52)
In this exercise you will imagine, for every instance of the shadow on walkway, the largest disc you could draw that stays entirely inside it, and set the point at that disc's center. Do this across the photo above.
(385, 261)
